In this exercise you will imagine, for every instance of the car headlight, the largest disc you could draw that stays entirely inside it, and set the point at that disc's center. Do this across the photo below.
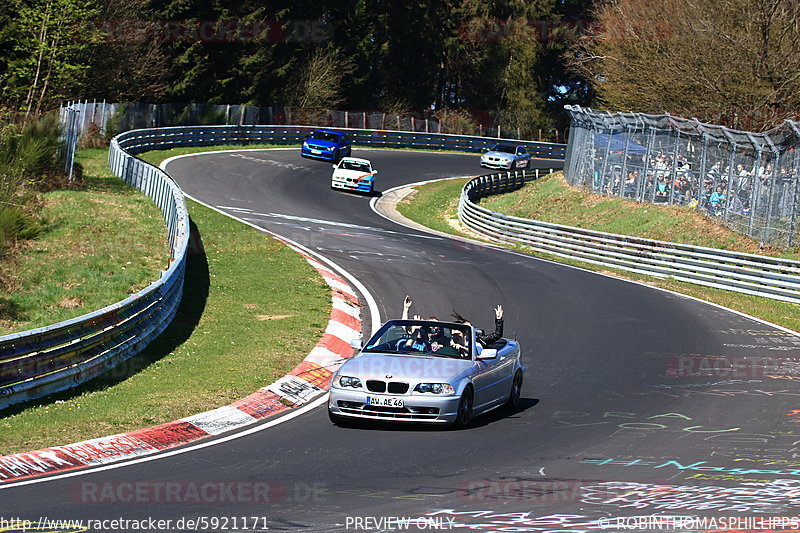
(348, 381)
(305, 144)
(435, 388)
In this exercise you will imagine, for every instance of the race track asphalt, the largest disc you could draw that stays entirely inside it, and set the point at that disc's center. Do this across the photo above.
(610, 426)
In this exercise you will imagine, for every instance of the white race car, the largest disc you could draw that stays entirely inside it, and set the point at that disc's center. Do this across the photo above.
(354, 174)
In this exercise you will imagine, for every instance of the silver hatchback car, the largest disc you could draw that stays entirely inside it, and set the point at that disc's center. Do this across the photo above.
(426, 371)
(506, 156)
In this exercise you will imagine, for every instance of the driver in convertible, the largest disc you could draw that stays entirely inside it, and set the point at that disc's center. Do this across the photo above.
(417, 341)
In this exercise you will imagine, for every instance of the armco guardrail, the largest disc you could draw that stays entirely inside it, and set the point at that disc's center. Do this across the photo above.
(42, 361)
(139, 140)
(770, 277)
(39, 362)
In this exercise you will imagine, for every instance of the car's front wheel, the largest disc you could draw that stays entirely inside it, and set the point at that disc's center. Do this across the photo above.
(464, 408)
(337, 419)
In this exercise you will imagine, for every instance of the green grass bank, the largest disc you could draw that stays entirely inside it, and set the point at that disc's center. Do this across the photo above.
(100, 242)
(252, 309)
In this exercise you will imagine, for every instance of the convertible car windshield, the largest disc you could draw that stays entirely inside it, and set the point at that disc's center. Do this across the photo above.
(441, 339)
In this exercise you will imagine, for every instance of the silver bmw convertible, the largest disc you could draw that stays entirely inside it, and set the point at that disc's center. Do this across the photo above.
(426, 371)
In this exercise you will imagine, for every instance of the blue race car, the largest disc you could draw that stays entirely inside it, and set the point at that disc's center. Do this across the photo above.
(327, 145)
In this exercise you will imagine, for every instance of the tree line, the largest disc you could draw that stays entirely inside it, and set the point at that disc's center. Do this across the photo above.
(497, 62)
(729, 62)
(514, 63)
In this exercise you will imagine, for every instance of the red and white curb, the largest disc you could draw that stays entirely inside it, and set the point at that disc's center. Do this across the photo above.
(306, 381)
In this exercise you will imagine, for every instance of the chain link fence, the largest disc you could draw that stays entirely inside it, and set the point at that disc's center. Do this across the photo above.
(748, 181)
(109, 119)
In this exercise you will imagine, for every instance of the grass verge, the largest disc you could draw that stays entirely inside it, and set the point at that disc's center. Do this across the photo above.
(252, 309)
(435, 205)
(553, 200)
(100, 242)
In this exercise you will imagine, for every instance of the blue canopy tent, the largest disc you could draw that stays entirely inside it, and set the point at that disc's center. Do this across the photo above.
(618, 142)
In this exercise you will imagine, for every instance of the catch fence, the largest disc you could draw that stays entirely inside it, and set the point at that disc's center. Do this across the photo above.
(748, 181)
(112, 118)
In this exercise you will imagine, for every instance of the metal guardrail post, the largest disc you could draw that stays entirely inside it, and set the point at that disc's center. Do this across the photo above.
(624, 174)
(728, 199)
(673, 177)
(643, 181)
(765, 234)
(754, 195)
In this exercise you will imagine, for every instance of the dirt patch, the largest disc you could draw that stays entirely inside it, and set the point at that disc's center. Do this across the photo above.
(70, 302)
(272, 317)
(412, 192)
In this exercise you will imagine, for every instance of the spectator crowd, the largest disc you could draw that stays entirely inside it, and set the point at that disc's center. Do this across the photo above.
(675, 180)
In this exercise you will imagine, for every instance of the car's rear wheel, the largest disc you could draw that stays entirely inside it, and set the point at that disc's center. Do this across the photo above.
(464, 408)
(516, 391)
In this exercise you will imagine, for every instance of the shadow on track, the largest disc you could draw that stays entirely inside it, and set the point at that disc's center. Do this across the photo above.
(481, 421)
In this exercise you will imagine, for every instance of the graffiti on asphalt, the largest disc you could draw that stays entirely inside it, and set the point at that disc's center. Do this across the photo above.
(779, 496)
(658, 422)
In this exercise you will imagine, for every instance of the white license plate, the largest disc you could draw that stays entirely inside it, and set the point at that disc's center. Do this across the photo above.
(384, 401)
(316, 152)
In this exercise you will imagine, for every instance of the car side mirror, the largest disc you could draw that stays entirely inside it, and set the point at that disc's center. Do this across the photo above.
(487, 353)
(374, 171)
(335, 166)
(356, 344)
